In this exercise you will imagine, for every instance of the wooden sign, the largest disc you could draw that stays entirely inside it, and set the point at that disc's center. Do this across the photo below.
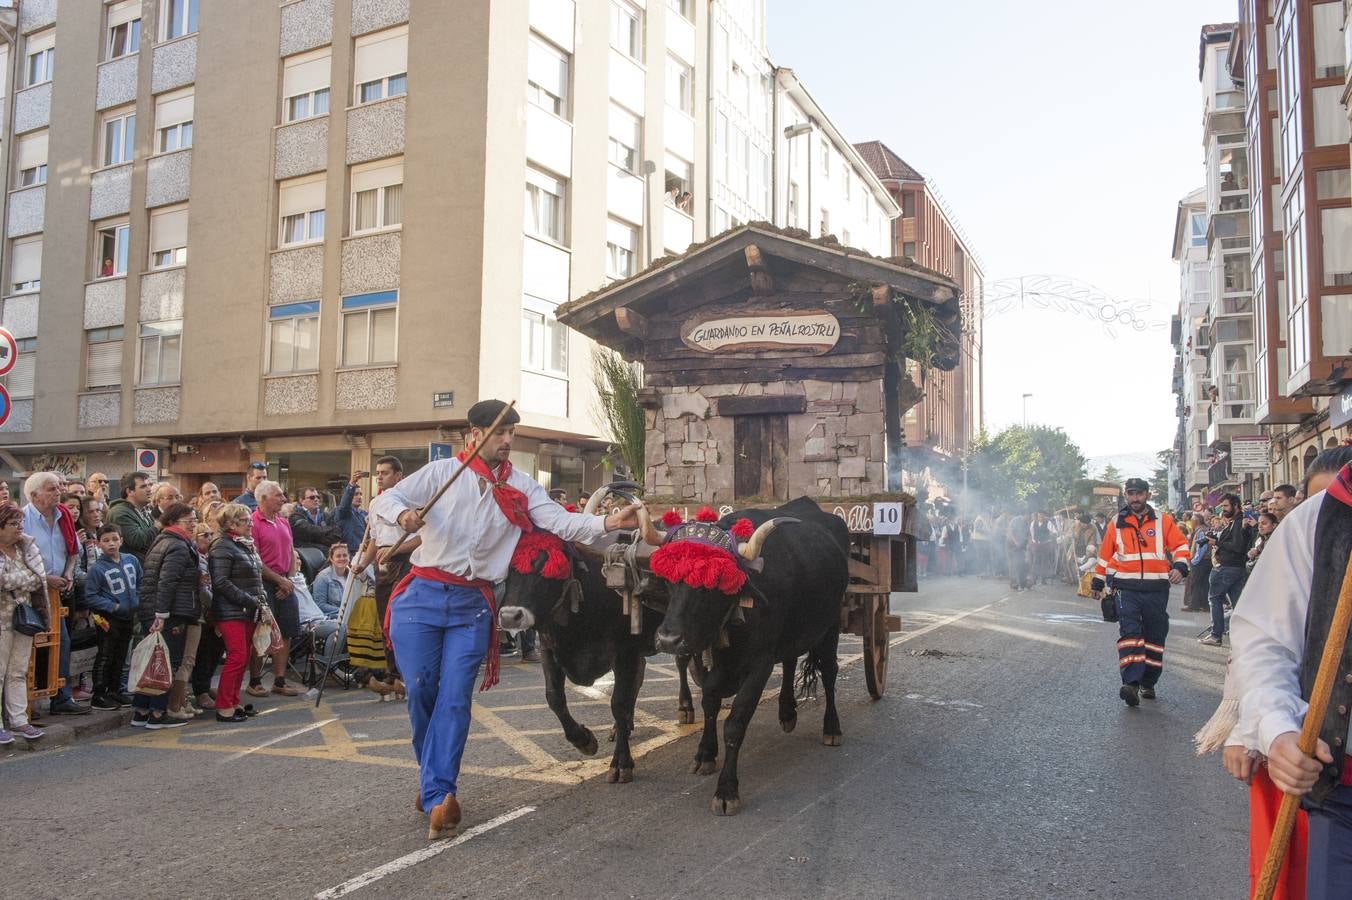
(810, 332)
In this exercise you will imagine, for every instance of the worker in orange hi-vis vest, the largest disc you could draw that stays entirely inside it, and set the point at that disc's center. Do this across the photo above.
(1143, 552)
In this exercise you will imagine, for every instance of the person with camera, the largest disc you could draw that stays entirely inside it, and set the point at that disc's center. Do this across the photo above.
(1230, 553)
(1142, 554)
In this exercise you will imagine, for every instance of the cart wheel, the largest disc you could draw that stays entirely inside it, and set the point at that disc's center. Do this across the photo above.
(876, 644)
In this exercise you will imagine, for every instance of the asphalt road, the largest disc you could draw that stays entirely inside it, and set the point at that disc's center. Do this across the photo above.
(1000, 762)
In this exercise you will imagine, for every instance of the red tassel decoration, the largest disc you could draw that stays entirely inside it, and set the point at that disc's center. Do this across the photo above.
(706, 514)
(742, 529)
(671, 518)
(528, 550)
(698, 565)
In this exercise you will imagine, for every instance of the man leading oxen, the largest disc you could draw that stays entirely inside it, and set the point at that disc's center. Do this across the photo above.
(756, 588)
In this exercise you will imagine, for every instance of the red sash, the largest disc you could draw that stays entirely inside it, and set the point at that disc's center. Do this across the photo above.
(485, 587)
(513, 503)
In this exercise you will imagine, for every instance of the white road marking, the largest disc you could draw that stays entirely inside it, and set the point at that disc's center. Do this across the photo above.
(418, 856)
(920, 632)
(278, 739)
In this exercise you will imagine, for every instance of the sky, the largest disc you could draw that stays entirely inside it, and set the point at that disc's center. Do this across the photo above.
(1062, 134)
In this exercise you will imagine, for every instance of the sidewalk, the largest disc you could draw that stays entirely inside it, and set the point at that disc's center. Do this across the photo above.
(62, 731)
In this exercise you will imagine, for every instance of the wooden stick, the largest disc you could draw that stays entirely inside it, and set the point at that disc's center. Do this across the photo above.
(474, 454)
(1309, 734)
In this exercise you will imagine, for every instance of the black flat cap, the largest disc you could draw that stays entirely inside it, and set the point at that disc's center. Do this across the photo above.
(483, 413)
(1133, 484)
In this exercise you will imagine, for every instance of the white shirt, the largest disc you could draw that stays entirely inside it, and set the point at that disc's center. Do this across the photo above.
(1267, 631)
(466, 533)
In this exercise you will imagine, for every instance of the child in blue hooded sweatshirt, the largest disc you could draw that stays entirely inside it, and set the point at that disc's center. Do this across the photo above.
(111, 591)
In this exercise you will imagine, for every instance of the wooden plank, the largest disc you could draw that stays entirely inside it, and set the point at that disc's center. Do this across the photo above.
(632, 323)
(761, 280)
(760, 406)
(777, 454)
(864, 571)
(767, 360)
(748, 449)
(760, 375)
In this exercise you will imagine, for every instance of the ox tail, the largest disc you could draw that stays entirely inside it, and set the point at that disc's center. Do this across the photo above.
(809, 675)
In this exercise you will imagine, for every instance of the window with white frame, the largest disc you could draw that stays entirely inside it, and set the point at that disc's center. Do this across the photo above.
(103, 357)
(680, 86)
(370, 335)
(683, 8)
(118, 136)
(173, 121)
(300, 202)
(793, 204)
(624, 138)
(110, 249)
(1336, 225)
(19, 381)
(293, 338)
(546, 200)
(547, 76)
(161, 352)
(124, 29)
(25, 265)
(378, 195)
(177, 18)
(40, 53)
(381, 65)
(31, 162)
(826, 222)
(169, 237)
(305, 85)
(721, 147)
(544, 342)
(678, 185)
(626, 29)
(826, 158)
(621, 249)
(849, 178)
(758, 172)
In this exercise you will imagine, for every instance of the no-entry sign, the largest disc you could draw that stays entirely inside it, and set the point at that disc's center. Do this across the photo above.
(9, 352)
(5, 405)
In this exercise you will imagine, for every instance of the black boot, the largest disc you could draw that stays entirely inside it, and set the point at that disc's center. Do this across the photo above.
(1130, 695)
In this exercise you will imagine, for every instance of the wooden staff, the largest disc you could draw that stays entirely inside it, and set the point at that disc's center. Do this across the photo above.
(474, 454)
(1309, 734)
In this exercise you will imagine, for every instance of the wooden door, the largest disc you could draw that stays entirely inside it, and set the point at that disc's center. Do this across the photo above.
(760, 457)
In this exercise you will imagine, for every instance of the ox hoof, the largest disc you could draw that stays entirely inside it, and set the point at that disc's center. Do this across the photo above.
(588, 746)
(788, 724)
(831, 740)
(619, 775)
(610, 738)
(703, 767)
(685, 717)
(722, 807)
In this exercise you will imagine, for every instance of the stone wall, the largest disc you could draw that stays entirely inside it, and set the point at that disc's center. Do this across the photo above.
(836, 447)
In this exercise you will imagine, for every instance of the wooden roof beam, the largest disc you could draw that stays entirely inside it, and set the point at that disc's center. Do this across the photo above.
(762, 283)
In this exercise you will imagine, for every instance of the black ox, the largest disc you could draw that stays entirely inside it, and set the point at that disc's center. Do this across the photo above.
(789, 608)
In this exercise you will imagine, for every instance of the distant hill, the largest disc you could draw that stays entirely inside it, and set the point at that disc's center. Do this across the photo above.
(1141, 465)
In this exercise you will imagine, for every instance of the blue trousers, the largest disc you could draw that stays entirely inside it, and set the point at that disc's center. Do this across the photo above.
(1225, 581)
(63, 695)
(440, 634)
(1328, 870)
(1143, 625)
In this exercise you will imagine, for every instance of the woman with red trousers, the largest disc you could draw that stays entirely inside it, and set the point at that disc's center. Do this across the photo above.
(236, 601)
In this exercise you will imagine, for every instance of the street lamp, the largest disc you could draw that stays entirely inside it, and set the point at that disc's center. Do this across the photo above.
(1025, 409)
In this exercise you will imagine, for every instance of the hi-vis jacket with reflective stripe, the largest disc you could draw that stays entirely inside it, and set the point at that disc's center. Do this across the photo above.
(1136, 555)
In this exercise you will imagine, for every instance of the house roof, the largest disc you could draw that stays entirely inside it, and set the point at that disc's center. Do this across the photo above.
(885, 163)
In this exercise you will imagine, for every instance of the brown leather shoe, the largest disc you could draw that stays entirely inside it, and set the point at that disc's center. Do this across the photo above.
(417, 802)
(445, 819)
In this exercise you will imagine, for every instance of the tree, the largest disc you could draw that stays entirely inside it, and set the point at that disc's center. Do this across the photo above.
(617, 385)
(1026, 466)
(1110, 473)
(1159, 481)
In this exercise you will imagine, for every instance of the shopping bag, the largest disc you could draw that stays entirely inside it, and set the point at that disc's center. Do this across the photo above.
(262, 637)
(150, 671)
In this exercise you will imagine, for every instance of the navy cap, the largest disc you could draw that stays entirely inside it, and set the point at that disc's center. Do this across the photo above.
(483, 414)
(1136, 484)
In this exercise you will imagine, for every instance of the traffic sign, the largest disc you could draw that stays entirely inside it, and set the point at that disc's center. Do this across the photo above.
(9, 351)
(5, 405)
(437, 450)
(148, 461)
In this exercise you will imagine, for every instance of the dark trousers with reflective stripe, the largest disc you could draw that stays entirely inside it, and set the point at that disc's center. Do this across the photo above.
(1143, 624)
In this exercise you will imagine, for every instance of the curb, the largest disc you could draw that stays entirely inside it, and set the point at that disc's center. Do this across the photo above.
(62, 731)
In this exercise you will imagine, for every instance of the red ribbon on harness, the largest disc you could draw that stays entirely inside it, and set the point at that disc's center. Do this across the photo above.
(443, 577)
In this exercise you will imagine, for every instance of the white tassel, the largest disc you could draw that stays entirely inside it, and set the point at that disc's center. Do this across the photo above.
(1213, 735)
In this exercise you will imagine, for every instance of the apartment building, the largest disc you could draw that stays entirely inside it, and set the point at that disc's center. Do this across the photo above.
(1192, 345)
(226, 263)
(1292, 60)
(941, 428)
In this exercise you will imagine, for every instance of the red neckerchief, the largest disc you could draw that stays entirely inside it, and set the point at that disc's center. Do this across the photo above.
(511, 501)
(1340, 488)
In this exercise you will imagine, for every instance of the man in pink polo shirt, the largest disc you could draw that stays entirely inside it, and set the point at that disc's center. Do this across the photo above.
(272, 539)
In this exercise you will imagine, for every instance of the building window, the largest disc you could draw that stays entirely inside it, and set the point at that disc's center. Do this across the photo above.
(678, 184)
(621, 249)
(179, 18)
(369, 329)
(103, 358)
(305, 85)
(544, 342)
(626, 29)
(169, 237)
(721, 148)
(908, 205)
(301, 205)
(848, 186)
(683, 8)
(119, 136)
(381, 66)
(680, 86)
(378, 195)
(173, 121)
(32, 159)
(1336, 225)
(25, 265)
(825, 222)
(19, 381)
(41, 56)
(908, 249)
(624, 139)
(547, 76)
(545, 204)
(826, 158)
(161, 351)
(293, 338)
(110, 249)
(124, 28)
(793, 204)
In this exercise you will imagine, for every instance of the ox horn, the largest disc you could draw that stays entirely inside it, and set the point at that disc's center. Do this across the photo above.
(645, 523)
(751, 550)
(594, 503)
